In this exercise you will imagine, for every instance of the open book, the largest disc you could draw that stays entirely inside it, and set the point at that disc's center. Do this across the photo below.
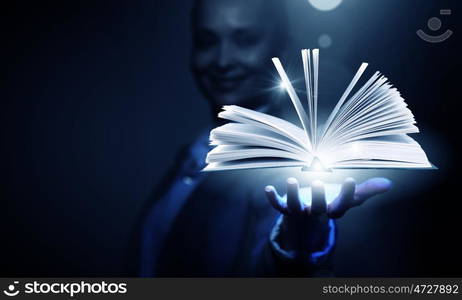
(365, 130)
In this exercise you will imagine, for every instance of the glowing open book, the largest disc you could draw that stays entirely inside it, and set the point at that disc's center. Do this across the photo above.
(366, 130)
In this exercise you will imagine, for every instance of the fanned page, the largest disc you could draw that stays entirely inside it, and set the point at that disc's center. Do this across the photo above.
(256, 140)
(365, 130)
(391, 151)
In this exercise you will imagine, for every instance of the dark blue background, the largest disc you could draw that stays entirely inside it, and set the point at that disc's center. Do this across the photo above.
(96, 97)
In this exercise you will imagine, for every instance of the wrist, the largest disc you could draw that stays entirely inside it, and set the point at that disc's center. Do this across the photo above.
(303, 233)
(309, 253)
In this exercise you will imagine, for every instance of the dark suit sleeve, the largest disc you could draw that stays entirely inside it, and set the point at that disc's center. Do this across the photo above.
(133, 249)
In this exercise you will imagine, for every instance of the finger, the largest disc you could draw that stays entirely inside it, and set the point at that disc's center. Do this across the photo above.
(371, 187)
(344, 200)
(275, 200)
(318, 198)
(294, 204)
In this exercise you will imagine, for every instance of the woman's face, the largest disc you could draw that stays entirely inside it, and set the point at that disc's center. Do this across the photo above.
(234, 42)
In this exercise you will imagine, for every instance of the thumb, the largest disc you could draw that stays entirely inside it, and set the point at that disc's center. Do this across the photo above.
(371, 187)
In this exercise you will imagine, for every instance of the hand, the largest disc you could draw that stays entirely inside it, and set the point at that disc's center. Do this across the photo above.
(305, 227)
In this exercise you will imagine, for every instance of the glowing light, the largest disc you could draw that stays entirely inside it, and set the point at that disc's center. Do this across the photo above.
(325, 5)
(325, 41)
(331, 193)
(282, 85)
(317, 166)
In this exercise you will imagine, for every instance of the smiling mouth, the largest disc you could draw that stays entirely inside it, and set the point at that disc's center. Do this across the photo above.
(227, 84)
